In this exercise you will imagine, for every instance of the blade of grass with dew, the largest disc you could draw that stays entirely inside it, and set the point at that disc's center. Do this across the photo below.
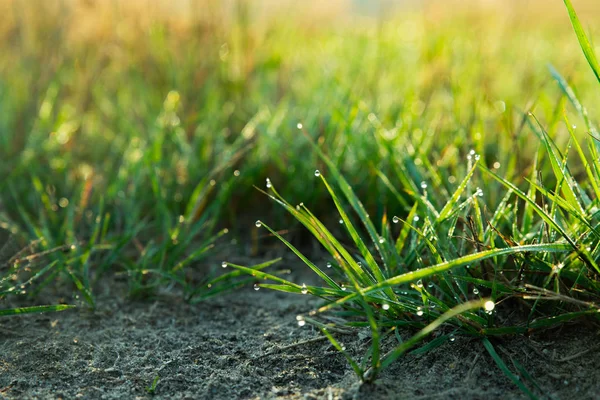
(225, 283)
(306, 261)
(447, 265)
(371, 263)
(393, 355)
(319, 231)
(352, 199)
(561, 172)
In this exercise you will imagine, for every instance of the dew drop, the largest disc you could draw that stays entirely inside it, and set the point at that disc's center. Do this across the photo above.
(420, 283)
(304, 289)
(269, 185)
(430, 285)
(328, 265)
(489, 306)
(452, 338)
(423, 185)
(341, 221)
(381, 240)
(317, 172)
(385, 306)
(419, 311)
(343, 288)
(574, 127)
(299, 125)
(256, 286)
(497, 165)
(224, 264)
(258, 224)
(395, 220)
(73, 247)
(416, 218)
(475, 291)
(236, 172)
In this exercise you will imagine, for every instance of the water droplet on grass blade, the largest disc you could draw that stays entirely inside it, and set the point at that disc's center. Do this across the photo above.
(385, 306)
(317, 172)
(299, 125)
(416, 218)
(328, 265)
(258, 224)
(381, 240)
(269, 185)
(419, 311)
(423, 185)
(304, 290)
(236, 172)
(256, 286)
(341, 221)
(475, 291)
(395, 220)
(489, 306)
(420, 283)
(224, 264)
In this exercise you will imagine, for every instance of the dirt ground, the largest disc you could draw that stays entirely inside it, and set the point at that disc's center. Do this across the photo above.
(248, 345)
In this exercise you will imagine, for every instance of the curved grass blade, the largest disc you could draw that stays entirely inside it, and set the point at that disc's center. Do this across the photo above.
(445, 266)
(393, 355)
(584, 42)
(35, 309)
(500, 363)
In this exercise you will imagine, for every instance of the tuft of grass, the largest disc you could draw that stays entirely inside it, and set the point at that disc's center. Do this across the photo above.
(553, 246)
(430, 275)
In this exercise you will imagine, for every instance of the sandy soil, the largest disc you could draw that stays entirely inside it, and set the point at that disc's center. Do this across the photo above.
(248, 345)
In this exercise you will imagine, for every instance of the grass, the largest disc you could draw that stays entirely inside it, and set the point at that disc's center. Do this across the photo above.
(451, 180)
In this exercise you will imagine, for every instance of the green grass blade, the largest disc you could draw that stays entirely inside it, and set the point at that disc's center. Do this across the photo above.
(585, 44)
(34, 309)
(447, 265)
(502, 365)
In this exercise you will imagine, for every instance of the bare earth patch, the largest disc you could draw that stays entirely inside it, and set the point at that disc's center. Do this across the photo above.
(248, 345)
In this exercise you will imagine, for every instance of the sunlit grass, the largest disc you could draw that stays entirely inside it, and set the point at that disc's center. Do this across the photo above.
(447, 170)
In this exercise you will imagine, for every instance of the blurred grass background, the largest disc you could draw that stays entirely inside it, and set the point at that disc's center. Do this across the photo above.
(159, 112)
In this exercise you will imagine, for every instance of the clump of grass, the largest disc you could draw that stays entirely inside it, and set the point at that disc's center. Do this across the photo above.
(453, 262)
(429, 274)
